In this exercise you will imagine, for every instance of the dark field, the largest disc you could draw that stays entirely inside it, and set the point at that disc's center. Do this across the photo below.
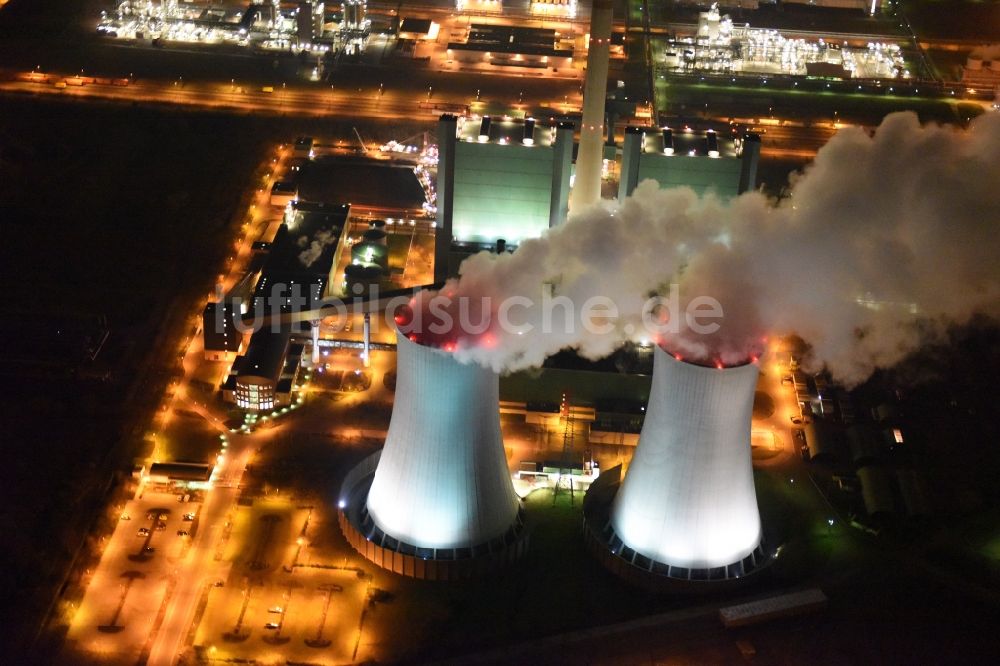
(361, 182)
(954, 19)
(121, 213)
(114, 213)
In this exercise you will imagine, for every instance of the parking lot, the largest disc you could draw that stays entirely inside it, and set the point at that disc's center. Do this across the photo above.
(118, 612)
(287, 597)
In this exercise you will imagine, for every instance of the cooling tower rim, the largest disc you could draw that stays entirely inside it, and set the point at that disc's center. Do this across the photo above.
(715, 364)
(448, 349)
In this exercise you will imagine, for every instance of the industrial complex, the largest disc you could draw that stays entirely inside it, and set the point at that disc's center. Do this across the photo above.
(347, 467)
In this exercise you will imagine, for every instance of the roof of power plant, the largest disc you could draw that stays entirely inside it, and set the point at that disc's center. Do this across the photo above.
(510, 177)
(302, 256)
(265, 356)
(362, 182)
(505, 131)
(511, 39)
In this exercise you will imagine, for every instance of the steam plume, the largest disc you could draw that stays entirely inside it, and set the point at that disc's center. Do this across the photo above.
(313, 250)
(884, 240)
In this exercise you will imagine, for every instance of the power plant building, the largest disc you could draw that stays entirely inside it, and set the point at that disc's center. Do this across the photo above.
(702, 161)
(501, 178)
(512, 47)
(687, 508)
(264, 378)
(437, 502)
(299, 269)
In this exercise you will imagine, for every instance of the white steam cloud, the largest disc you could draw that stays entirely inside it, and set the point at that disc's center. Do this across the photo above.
(884, 241)
(314, 249)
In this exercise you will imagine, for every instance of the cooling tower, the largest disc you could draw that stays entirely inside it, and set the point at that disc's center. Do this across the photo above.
(440, 503)
(687, 508)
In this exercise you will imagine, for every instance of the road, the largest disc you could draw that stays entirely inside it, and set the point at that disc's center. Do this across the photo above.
(350, 97)
(200, 567)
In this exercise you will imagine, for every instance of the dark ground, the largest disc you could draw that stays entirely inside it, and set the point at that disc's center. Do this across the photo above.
(117, 212)
(360, 181)
(955, 19)
(107, 212)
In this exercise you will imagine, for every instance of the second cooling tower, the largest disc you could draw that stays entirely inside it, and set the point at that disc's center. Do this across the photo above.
(687, 508)
(438, 502)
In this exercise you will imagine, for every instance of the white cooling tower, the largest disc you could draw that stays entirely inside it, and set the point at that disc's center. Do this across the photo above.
(442, 480)
(688, 499)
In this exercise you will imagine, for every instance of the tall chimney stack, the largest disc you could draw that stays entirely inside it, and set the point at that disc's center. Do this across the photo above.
(587, 183)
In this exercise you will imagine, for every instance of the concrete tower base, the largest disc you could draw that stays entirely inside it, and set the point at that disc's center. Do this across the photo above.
(624, 562)
(408, 560)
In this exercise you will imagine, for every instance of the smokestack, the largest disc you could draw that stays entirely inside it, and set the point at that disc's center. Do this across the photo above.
(441, 492)
(749, 160)
(711, 143)
(529, 132)
(687, 507)
(631, 154)
(368, 340)
(587, 184)
(668, 141)
(447, 138)
(562, 168)
(315, 342)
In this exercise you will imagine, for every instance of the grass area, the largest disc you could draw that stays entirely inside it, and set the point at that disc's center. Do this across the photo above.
(676, 97)
(795, 518)
(557, 587)
(399, 246)
(981, 534)
(107, 211)
(190, 438)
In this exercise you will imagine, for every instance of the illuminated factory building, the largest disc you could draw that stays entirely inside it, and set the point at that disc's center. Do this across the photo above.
(263, 379)
(501, 179)
(437, 502)
(702, 161)
(291, 274)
